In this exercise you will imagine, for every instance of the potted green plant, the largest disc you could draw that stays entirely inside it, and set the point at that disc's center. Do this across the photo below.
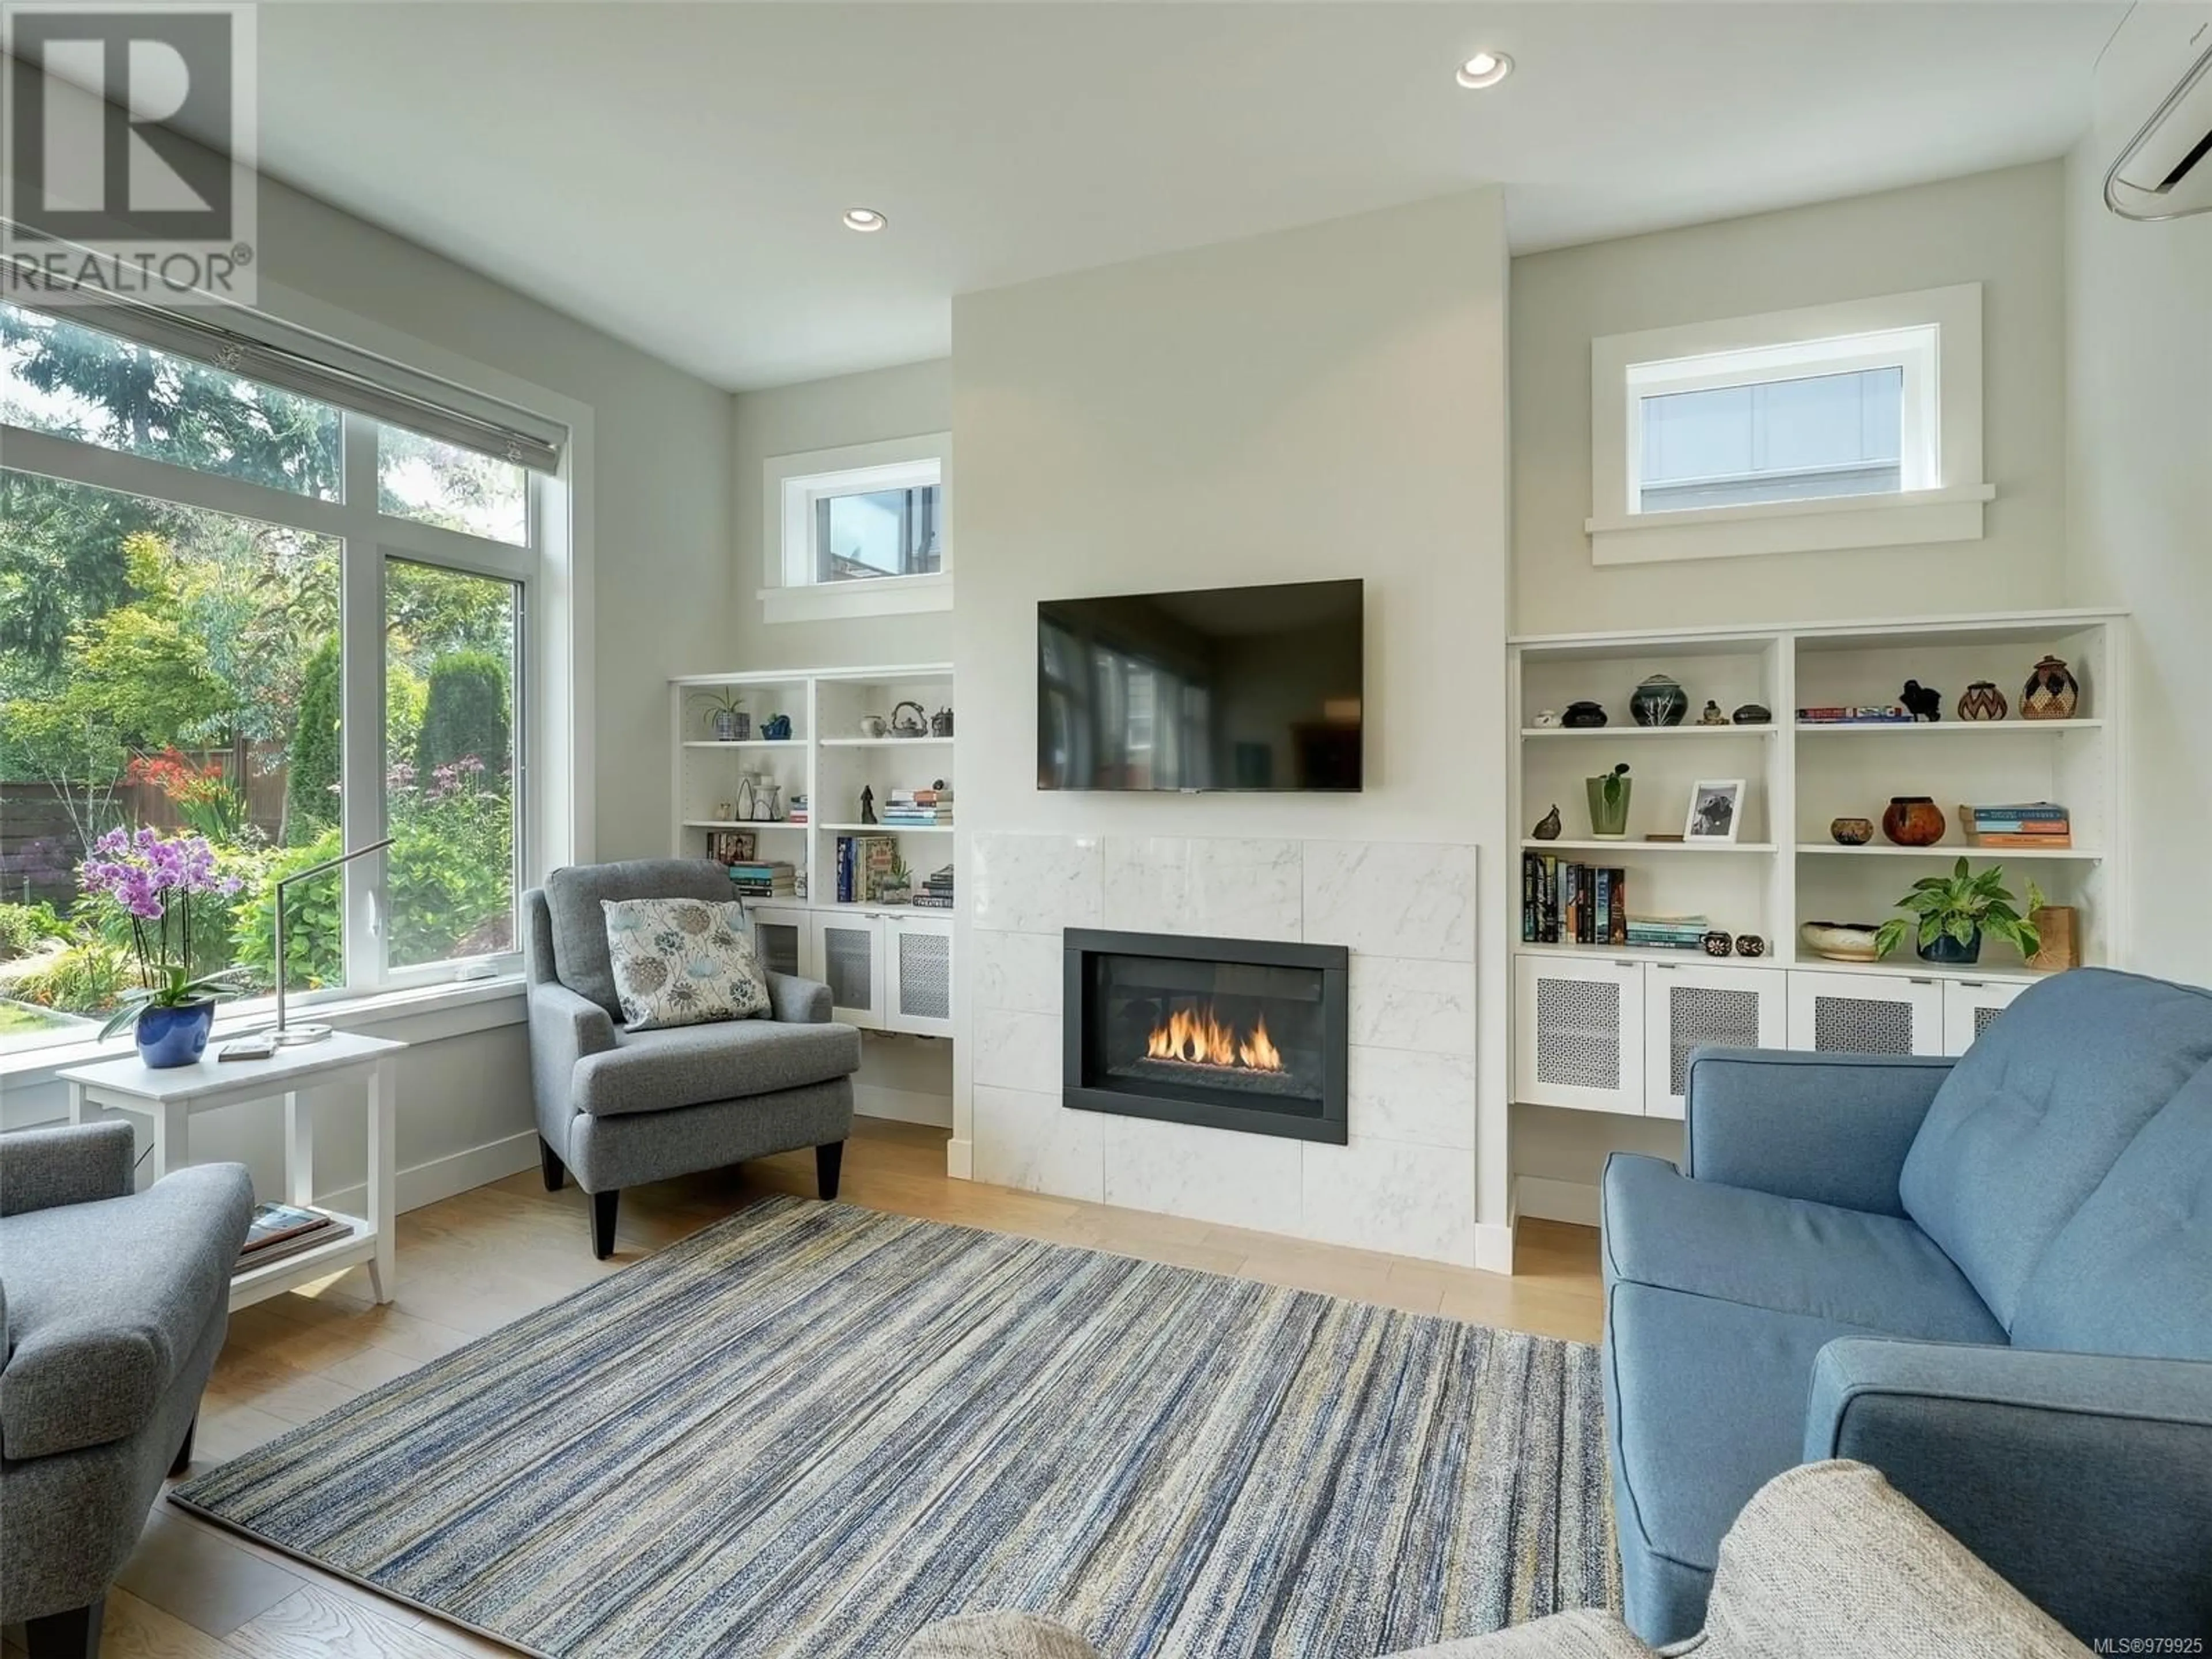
(1946, 917)
(1608, 804)
(152, 881)
(726, 715)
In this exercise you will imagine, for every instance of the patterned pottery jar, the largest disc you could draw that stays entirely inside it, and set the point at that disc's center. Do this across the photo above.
(1981, 701)
(1659, 701)
(1913, 821)
(1750, 945)
(2051, 692)
(1717, 943)
(1851, 832)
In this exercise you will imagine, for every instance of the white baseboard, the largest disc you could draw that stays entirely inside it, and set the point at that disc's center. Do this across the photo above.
(902, 1105)
(960, 1159)
(1555, 1200)
(1493, 1247)
(445, 1177)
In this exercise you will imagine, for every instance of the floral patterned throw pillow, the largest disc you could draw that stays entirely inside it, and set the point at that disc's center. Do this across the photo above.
(683, 961)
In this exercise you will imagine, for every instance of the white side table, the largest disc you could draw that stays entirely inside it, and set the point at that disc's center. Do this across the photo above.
(170, 1095)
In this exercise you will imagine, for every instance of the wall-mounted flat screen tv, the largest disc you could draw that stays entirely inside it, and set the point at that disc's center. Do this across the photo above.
(1217, 688)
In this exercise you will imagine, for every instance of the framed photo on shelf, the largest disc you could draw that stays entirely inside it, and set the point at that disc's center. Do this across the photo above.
(730, 845)
(1716, 810)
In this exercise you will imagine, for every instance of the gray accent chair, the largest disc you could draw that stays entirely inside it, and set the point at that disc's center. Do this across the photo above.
(1990, 1279)
(615, 1107)
(113, 1306)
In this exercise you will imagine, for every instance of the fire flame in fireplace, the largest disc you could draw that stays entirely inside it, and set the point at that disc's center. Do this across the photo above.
(1195, 1037)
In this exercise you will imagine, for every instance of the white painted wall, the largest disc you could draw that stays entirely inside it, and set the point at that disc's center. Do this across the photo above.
(1325, 402)
(2002, 229)
(2139, 458)
(849, 409)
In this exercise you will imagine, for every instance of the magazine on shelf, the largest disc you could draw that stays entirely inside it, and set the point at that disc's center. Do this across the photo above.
(278, 1230)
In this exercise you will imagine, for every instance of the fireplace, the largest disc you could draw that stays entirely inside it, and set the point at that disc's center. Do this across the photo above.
(1231, 1034)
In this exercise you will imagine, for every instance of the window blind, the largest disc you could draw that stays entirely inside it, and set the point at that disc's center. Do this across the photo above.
(263, 348)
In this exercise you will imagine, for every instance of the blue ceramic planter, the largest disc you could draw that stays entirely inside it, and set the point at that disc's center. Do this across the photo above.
(1948, 952)
(175, 1037)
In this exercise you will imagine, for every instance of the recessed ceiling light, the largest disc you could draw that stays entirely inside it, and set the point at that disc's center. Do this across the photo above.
(1484, 68)
(864, 219)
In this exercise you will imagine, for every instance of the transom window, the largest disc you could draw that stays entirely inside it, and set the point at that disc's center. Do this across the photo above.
(233, 611)
(1851, 425)
(862, 530)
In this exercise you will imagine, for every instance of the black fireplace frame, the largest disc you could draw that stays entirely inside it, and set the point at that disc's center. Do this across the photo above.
(1332, 961)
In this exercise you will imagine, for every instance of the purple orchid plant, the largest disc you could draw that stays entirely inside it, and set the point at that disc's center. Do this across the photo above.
(153, 880)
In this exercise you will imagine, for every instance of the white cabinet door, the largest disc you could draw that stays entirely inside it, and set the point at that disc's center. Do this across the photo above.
(1695, 1006)
(783, 940)
(1847, 1013)
(848, 953)
(1578, 1034)
(918, 961)
(1969, 1006)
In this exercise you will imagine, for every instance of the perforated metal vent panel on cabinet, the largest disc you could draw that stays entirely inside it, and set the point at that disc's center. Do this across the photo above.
(925, 975)
(1862, 1025)
(848, 966)
(1982, 1019)
(1578, 1037)
(1705, 1016)
(777, 946)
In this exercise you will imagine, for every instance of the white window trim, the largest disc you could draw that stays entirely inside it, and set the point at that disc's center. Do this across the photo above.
(556, 803)
(793, 483)
(1944, 491)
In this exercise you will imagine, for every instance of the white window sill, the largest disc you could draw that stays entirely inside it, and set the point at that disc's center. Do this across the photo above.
(419, 1014)
(1824, 525)
(885, 596)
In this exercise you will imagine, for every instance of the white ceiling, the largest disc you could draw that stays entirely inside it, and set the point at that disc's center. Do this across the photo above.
(675, 172)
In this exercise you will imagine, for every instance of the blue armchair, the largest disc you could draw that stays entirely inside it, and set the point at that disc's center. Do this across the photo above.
(1990, 1278)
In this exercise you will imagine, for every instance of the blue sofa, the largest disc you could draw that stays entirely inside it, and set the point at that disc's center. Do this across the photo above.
(1990, 1278)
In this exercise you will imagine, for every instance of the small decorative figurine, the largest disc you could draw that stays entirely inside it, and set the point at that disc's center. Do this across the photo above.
(1981, 701)
(1753, 714)
(1851, 832)
(1583, 714)
(776, 728)
(867, 804)
(1712, 714)
(1717, 943)
(1659, 701)
(725, 810)
(1750, 945)
(1548, 827)
(2051, 692)
(940, 723)
(1922, 702)
(1548, 721)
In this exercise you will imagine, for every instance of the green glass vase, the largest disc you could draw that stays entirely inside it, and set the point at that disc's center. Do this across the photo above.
(1608, 806)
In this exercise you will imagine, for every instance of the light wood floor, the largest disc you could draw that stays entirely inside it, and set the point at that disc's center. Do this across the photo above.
(475, 1262)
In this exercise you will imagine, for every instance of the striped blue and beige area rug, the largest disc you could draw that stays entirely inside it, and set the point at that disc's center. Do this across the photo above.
(814, 1428)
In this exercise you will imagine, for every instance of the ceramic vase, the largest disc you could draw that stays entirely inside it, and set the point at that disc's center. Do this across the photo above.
(1608, 818)
(1582, 714)
(1750, 945)
(1913, 821)
(1851, 832)
(169, 1037)
(1717, 943)
(1659, 701)
(1981, 701)
(2051, 692)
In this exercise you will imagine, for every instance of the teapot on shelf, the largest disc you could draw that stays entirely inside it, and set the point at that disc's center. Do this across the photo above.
(905, 725)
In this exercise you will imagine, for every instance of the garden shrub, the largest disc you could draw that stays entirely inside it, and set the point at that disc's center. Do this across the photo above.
(83, 978)
(314, 941)
(311, 781)
(24, 927)
(465, 714)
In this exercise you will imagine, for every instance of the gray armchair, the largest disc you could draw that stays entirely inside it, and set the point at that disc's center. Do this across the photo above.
(113, 1306)
(615, 1106)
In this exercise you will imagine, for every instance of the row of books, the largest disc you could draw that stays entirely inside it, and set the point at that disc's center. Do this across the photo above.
(2023, 823)
(1668, 933)
(1565, 902)
(935, 892)
(764, 879)
(278, 1230)
(866, 865)
(795, 810)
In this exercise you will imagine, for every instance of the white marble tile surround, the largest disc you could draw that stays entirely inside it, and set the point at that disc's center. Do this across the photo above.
(1405, 1182)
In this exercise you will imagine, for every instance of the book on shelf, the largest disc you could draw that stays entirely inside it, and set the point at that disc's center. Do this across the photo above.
(278, 1230)
(1564, 901)
(2029, 824)
(865, 864)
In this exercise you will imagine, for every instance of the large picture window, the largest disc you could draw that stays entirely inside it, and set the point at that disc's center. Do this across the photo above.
(235, 611)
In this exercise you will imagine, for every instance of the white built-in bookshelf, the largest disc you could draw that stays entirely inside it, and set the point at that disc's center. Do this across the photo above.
(888, 965)
(1608, 1027)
